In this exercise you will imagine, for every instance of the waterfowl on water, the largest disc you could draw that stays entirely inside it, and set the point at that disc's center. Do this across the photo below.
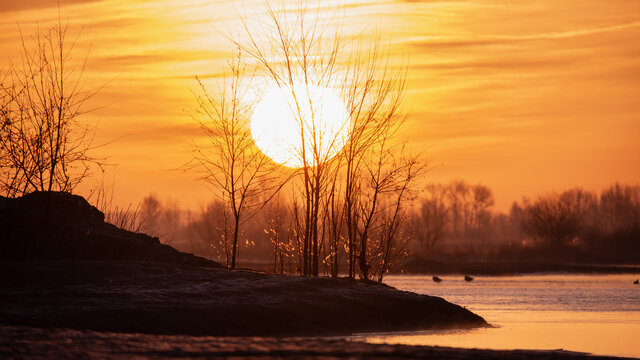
(436, 279)
(468, 278)
(636, 282)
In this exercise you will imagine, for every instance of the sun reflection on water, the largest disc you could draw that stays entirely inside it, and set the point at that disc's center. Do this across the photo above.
(599, 314)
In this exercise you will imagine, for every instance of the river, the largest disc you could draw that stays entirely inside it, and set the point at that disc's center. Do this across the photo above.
(598, 314)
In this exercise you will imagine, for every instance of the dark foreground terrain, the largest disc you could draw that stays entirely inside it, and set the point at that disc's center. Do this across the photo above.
(64, 267)
(31, 343)
(73, 286)
(61, 226)
(161, 298)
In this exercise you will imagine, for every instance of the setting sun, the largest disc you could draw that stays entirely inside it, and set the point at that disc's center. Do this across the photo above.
(283, 119)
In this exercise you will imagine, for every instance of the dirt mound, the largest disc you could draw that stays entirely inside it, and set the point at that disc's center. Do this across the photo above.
(63, 266)
(58, 225)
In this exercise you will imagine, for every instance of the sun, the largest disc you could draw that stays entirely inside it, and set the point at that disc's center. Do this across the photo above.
(281, 120)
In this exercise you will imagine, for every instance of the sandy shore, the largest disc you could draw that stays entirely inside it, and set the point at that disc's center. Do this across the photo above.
(32, 343)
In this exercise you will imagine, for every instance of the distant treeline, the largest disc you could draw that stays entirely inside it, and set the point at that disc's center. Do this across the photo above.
(455, 221)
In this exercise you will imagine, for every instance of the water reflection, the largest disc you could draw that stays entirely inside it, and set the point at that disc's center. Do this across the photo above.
(598, 314)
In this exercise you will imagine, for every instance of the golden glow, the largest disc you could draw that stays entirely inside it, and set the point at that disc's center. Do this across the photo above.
(526, 97)
(284, 118)
(611, 333)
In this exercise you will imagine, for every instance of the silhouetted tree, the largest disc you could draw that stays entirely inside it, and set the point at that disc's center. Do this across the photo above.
(231, 162)
(374, 96)
(299, 51)
(457, 192)
(408, 172)
(150, 211)
(557, 219)
(482, 202)
(277, 235)
(430, 223)
(620, 207)
(43, 145)
(211, 227)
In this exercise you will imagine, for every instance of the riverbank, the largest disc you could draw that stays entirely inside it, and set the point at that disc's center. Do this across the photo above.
(31, 343)
(421, 266)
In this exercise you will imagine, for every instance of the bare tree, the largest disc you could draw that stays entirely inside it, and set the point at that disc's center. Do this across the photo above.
(557, 220)
(151, 211)
(458, 193)
(168, 223)
(275, 231)
(299, 51)
(280, 234)
(299, 55)
(620, 207)
(409, 171)
(378, 182)
(231, 162)
(211, 227)
(43, 145)
(334, 227)
(374, 96)
(430, 223)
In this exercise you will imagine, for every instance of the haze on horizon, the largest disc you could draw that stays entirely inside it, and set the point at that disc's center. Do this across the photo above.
(523, 97)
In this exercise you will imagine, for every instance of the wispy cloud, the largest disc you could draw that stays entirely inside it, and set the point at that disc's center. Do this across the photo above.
(487, 40)
(493, 84)
(9, 5)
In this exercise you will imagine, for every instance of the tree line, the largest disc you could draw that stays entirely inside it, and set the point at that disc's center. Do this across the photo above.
(456, 220)
(452, 221)
(274, 238)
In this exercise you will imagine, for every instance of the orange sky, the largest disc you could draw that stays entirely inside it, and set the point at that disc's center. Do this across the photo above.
(524, 96)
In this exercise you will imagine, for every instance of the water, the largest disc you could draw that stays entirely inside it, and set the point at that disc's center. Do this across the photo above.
(598, 314)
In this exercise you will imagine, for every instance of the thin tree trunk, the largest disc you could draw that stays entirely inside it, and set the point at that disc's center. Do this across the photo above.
(316, 208)
(234, 249)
